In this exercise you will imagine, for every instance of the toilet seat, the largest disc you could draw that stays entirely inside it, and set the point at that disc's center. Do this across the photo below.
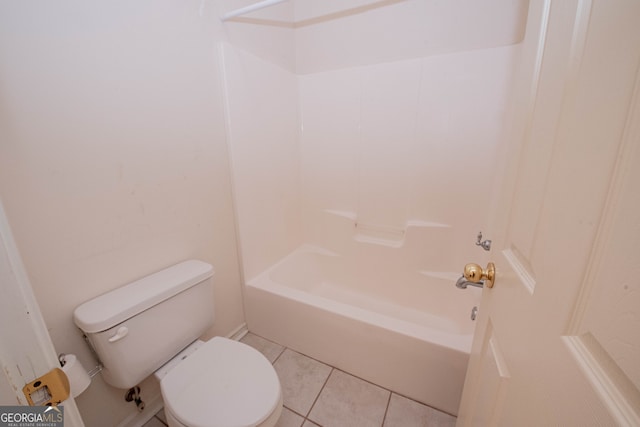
(224, 383)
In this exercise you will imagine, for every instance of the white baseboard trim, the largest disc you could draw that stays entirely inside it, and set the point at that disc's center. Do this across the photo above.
(238, 333)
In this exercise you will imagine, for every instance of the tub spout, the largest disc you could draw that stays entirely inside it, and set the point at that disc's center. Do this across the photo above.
(462, 283)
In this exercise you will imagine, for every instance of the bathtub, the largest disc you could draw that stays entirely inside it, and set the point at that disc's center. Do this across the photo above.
(406, 330)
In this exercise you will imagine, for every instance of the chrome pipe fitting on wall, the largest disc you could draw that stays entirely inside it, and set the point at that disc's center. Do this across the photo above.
(484, 244)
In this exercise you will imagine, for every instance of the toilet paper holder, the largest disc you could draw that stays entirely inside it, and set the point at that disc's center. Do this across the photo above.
(92, 373)
(77, 376)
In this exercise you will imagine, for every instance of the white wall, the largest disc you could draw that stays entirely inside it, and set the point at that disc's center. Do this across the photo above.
(263, 139)
(113, 158)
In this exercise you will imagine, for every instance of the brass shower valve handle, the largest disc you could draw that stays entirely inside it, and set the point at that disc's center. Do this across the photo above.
(476, 274)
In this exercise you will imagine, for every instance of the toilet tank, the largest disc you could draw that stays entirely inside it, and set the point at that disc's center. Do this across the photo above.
(138, 327)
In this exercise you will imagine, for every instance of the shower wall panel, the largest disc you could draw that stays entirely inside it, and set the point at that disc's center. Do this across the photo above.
(262, 121)
(404, 141)
(335, 34)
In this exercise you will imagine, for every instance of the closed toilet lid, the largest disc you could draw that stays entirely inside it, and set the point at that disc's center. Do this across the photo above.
(225, 383)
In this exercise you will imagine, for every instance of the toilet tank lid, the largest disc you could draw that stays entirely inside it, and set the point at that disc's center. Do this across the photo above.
(114, 307)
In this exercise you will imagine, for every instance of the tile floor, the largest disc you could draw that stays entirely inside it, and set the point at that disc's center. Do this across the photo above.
(316, 394)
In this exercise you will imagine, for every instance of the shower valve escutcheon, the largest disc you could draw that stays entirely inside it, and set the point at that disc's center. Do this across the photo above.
(477, 276)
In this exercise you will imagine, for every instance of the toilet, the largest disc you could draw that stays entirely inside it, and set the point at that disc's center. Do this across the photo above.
(152, 326)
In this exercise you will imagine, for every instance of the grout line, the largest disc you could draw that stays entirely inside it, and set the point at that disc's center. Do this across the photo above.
(307, 356)
(423, 404)
(268, 340)
(290, 349)
(295, 412)
(387, 408)
(280, 354)
(160, 419)
(362, 379)
(319, 393)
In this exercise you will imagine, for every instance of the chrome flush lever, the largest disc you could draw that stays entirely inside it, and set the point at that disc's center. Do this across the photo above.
(486, 245)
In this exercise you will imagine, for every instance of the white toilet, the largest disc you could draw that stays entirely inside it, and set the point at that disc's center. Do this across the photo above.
(152, 326)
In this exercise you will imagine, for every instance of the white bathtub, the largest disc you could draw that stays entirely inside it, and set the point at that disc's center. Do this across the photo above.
(408, 331)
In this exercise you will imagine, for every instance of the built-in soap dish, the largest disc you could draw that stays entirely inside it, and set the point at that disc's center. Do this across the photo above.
(379, 235)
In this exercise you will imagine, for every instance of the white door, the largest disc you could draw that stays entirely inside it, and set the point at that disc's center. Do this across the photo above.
(26, 350)
(558, 336)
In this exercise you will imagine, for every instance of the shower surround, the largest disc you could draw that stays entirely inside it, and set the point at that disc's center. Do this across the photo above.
(361, 179)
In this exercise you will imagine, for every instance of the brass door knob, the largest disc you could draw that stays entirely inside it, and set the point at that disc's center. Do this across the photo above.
(474, 273)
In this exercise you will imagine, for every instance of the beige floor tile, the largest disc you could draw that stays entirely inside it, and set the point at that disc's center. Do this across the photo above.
(289, 419)
(270, 349)
(301, 379)
(349, 401)
(308, 423)
(404, 412)
(154, 422)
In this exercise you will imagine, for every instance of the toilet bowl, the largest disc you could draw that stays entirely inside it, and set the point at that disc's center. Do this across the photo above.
(222, 383)
(152, 326)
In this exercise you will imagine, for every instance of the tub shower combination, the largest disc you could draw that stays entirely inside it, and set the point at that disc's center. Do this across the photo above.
(360, 307)
(353, 179)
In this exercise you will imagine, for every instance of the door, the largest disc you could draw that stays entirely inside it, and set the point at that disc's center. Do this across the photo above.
(26, 350)
(558, 336)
